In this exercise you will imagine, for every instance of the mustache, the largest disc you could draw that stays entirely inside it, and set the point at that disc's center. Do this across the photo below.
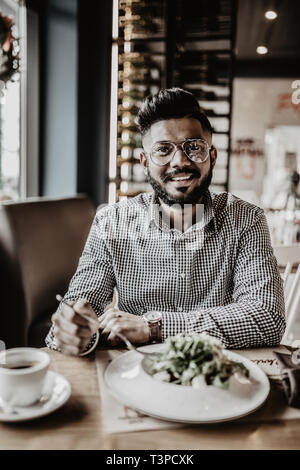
(187, 171)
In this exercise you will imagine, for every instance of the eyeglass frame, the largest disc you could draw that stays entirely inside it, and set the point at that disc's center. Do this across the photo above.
(180, 144)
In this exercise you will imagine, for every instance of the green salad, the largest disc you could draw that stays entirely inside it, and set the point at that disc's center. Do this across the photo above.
(197, 360)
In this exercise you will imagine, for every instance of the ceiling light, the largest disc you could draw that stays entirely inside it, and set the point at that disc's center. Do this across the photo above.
(262, 50)
(270, 15)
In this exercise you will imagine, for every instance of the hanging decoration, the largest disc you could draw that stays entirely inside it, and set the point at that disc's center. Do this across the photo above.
(9, 51)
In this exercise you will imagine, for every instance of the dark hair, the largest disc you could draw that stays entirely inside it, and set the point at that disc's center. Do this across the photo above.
(171, 103)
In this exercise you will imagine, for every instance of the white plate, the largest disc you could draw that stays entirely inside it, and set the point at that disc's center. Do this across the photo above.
(56, 392)
(132, 386)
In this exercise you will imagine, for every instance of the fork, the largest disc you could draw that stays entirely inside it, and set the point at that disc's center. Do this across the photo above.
(97, 325)
(133, 348)
(93, 322)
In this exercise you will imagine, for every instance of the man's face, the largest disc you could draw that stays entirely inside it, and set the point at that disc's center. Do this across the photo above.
(169, 190)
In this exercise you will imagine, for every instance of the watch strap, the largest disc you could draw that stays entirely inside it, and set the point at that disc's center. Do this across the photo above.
(154, 329)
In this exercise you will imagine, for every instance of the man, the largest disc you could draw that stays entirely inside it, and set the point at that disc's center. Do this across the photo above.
(201, 261)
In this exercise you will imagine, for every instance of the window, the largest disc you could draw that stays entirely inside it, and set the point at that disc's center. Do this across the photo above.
(12, 14)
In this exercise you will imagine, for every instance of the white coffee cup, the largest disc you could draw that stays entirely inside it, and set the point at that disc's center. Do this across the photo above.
(22, 386)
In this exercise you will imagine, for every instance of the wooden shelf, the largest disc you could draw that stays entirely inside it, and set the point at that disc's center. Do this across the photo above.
(196, 44)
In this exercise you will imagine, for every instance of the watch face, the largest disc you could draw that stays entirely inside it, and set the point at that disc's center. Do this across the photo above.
(153, 316)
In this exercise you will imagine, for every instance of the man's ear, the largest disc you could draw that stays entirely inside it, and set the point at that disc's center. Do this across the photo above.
(143, 161)
(214, 155)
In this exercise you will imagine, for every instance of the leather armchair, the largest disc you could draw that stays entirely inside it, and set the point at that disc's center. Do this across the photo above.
(41, 241)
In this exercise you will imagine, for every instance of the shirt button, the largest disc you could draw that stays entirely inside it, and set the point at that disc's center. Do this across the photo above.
(183, 275)
(180, 309)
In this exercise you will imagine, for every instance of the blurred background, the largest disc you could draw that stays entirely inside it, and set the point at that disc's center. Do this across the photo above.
(73, 74)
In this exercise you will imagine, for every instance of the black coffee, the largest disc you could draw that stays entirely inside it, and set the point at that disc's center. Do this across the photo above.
(19, 365)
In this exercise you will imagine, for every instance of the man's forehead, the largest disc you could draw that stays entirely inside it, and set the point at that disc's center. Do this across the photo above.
(174, 130)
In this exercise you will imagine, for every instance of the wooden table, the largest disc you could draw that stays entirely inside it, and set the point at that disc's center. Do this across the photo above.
(78, 424)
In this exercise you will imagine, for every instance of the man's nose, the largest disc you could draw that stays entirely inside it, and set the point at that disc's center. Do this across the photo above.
(180, 158)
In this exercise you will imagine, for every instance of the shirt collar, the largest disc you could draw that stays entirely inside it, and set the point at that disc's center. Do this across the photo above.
(153, 216)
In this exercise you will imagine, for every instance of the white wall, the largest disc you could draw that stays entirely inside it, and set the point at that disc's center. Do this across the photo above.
(258, 104)
(255, 106)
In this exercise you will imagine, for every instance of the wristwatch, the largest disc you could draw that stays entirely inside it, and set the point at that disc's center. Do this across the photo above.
(153, 320)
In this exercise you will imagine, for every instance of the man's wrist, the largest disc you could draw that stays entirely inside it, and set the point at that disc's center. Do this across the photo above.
(153, 321)
(147, 332)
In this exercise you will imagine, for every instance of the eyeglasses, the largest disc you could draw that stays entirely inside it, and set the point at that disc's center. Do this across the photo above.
(196, 150)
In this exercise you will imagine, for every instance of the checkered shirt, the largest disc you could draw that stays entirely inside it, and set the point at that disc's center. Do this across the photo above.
(219, 276)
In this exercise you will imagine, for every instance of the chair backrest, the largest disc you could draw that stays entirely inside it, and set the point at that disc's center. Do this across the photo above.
(287, 257)
(41, 240)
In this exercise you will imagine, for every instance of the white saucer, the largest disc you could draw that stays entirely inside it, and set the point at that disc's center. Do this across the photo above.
(56, 392)
(131, 385)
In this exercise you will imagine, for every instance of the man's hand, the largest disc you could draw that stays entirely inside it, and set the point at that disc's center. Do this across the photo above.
(73, 332)
(115, 321)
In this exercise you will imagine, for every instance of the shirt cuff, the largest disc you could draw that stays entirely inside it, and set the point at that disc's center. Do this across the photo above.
(173, 323)
(92, 344)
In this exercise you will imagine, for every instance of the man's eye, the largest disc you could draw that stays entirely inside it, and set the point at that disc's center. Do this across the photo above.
(196, 147)
(163, 149)
(193, 148)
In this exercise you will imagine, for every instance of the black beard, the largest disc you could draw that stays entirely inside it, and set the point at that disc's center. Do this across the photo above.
(193, 198)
